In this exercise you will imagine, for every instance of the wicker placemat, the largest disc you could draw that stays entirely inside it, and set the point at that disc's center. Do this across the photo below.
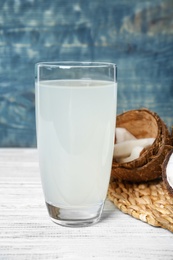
(149, 202)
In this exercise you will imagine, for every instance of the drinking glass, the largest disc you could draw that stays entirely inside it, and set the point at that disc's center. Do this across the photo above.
(75, 119)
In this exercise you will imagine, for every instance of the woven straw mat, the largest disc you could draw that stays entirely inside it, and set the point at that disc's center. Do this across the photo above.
(149, 202)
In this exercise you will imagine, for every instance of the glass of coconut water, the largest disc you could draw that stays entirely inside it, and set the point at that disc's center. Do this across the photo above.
(75, 119)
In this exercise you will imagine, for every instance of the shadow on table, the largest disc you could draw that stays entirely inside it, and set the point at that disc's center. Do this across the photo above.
(108, 210)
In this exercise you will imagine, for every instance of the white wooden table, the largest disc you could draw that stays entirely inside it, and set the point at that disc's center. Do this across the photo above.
(27, 233)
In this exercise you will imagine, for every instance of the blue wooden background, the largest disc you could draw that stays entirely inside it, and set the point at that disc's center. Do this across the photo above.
(135, 34)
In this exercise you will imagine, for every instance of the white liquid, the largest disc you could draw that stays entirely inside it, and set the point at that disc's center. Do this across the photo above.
(75, 136)
(169, 171)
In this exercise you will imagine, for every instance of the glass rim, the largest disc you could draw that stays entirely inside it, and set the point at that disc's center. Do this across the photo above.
(76, 64)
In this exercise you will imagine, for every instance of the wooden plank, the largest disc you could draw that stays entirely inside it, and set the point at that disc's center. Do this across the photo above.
(26, 232)
(137, 35)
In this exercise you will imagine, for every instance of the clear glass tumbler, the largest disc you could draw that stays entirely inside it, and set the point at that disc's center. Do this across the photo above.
(75, 118)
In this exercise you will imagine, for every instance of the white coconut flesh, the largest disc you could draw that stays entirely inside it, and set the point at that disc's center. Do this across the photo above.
(128, 147)
(169, 171)
(123, 135)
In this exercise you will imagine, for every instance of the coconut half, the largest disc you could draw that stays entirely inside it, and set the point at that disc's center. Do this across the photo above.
(143, 123)
(167, 172)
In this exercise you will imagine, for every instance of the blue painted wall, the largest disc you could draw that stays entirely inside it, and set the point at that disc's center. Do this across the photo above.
(137, 35)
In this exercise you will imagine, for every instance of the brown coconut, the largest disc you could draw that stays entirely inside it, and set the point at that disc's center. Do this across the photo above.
(143, 123)
(164, 173)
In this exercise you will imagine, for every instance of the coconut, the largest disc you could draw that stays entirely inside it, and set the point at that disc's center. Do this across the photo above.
(167, 172)
(143, 123)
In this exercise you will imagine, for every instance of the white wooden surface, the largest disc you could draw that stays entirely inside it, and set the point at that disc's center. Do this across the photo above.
(27, 233)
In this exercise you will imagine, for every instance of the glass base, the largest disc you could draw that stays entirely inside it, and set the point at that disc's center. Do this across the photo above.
(75, 217)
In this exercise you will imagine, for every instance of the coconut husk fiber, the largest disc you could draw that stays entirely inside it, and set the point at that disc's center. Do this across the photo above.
(164, 172)
(149, 202)
(143, 123)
